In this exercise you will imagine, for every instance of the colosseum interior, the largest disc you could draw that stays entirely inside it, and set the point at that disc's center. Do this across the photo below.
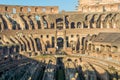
(41, 43)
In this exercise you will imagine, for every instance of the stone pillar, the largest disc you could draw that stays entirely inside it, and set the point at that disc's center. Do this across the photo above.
(25, 43)
(64, 26)
(35, 46)
(43, 45)
(101, 25)
(49, 25)
(91, 47)
(106, 49)
(108, 25)
(94, 25)
(114, 25)
(20, 21)
(56, 39)
(69, 25)
(80, 44)
(41, 22)
(8, 22)
(28, 22)
(82, 25)
(88, 25)
(55, 26)
(29, 41)
(2, 26)
(75, 25)
(64, 40)
(35, 22)
(75, 46)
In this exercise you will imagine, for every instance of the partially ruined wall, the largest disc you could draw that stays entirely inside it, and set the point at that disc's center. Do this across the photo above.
(28, 9)
(98, 5)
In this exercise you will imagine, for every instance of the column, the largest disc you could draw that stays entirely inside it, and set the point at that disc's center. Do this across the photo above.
(35, 46)
(35, 22)
(64, 26)
(82, 25)
(75, 25)
(30, 43)
(28, 22)
(49, 26)
(64, 40)
(88, 25)
(41, 22)
(69, 25)
(8, 22)
(101, 25)
(56, 39)
(114, 25)
(55, 26)
(94, 25)
(27, 49)
(108, 25)
(92, 47)
(2, 26)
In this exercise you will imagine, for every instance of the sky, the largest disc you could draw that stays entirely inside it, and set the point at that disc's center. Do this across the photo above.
(67, 5)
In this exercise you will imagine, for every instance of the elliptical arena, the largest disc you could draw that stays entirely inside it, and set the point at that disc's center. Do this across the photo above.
(41, 43)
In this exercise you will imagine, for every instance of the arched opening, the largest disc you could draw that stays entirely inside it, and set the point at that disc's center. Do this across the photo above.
(37, 17)
(32, 44)
(60, 42)
(89, 47)
(6, 8)
(17, 48)
(29, 10)
(11, 49)
(72, 25)
(26, 25)
(59, 23)
(21, 9)
(28, 43)
(69, 60)
(110, 56)
(43, 10)
(102, 48)
(14, 11)
(108, 48)
(78, 45)
(52, 10)
(114, 49)
(52, 25)
(79, 25)
(67, 21)
(104, 9)
(31, 22)
(38, 44)
(48, 44)
(45, 22)
(83, 41)
(36, 9)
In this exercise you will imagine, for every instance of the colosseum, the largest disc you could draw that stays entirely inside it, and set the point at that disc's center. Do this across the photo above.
(41, 43)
